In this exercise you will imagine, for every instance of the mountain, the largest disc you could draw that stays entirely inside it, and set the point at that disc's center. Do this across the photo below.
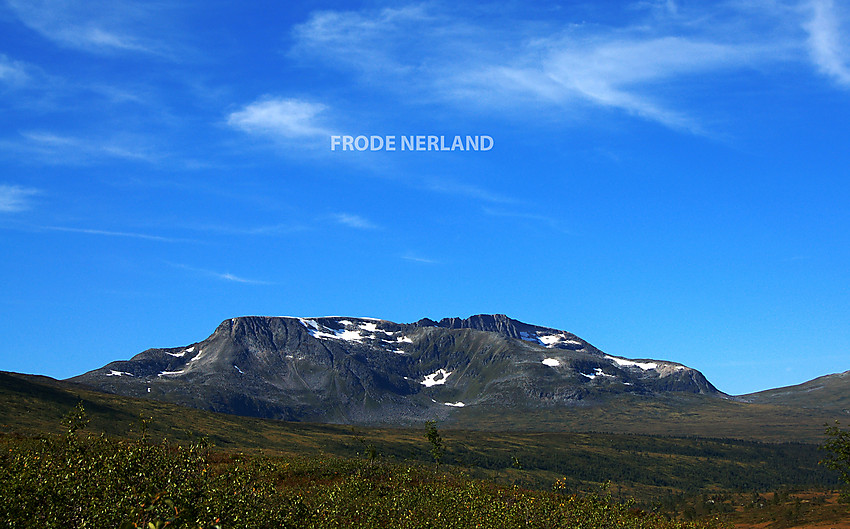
(370, 371)
(830, 392)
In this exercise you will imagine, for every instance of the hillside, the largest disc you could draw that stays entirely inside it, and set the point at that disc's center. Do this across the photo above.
(643, 465)
(830, 392)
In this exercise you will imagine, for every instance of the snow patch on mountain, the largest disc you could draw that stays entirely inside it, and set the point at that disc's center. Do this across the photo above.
(646, 366)
(354, 331)
(551, 340)
(530, 337)
(320, 331)
(437, 378)
(597, 373)
(351, 336)
(369, 327)
(310, 324)
(551, 362)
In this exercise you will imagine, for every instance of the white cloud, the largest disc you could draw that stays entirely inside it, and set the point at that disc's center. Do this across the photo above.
(269, 230)
(418, 259)
(109, 233)
(15, 198)
(634, 68)
(354, 221)
(371, 41)
(280, 118)
(226, 276)
(619, 72)
(95, 25)
(12, 72)
(828, 44)
(466, 190)
(54, 148)
(546, 219)
(237, 279)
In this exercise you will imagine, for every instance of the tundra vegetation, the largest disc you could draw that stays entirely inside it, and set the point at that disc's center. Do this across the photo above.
(74, 480)
(77, 478)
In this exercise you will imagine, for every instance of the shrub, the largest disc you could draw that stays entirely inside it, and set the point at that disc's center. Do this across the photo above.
(838, 446)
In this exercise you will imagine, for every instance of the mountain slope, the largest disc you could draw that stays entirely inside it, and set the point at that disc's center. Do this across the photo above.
(830, 392)
(367, 371)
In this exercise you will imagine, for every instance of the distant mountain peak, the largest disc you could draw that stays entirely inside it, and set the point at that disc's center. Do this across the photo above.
(367, 370)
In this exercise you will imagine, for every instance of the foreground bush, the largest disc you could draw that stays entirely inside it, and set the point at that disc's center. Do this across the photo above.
(73, 482)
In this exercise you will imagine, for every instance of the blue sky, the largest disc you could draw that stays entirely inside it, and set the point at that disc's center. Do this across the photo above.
(667, 179)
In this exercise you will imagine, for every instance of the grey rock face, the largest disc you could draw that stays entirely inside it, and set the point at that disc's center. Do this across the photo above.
(368, 371)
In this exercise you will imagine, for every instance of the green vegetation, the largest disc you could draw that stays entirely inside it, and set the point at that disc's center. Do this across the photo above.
(838, 459)
(75, 481)
(643, 467)
(436, 441)
(274, 474)
(779, 509)
(97, 482)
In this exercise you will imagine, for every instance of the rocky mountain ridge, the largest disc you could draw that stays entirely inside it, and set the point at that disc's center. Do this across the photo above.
(371, 371)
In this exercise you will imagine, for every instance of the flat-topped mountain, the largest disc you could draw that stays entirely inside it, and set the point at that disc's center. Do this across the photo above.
(370, 371)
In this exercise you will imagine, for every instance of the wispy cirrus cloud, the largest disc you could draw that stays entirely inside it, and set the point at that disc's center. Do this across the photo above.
(536, 217)
(261, 230)
(829, 45)
(281, 118)
(635, 67)
(618, 73)
(111, 233)
(448, 187)
(51, 148)
(223, 276)
(354, 221)
(373, 41)
(415, 258)
(12, 73)
(15, 198)
(98, 26)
